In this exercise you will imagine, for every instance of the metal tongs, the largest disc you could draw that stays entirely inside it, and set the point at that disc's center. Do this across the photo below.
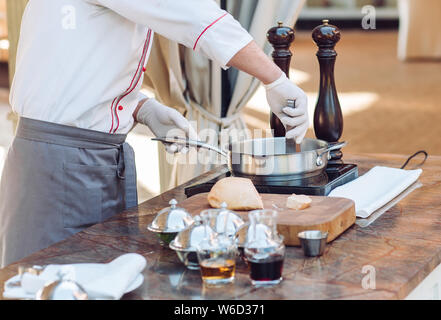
(190, 143)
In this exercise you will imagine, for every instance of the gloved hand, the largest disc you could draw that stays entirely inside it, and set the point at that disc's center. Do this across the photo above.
(295, 119)
(164, 121)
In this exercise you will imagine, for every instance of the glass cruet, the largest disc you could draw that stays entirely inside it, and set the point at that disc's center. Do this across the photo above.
(217, 252)
(264, 248)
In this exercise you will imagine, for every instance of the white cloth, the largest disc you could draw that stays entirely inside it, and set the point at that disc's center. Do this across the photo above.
(81, 62)
(101, 281)
(376, 188)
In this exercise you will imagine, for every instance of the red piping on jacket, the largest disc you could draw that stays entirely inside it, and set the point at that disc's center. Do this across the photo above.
(130, 89)
(111, 112)
(212, 24)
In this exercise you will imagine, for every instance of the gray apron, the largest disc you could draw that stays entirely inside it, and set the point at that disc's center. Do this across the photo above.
(58, 180)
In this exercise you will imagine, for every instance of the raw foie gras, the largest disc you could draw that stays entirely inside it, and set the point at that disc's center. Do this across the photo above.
(237, 193)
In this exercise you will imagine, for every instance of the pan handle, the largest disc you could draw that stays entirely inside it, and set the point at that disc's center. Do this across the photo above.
(190, 143)
(330, 147)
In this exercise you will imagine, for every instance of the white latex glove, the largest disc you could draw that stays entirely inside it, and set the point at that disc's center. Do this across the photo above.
(296, 119)
(166, 122)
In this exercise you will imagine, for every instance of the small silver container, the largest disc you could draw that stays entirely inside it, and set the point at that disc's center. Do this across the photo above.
(188, 258)
(313, 242)
(169, 222)
(185, 243)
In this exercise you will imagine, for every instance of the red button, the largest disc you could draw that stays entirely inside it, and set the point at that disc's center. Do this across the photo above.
(144, 69)
(120, 108)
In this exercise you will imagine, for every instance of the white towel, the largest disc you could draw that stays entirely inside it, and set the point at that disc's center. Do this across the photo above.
(376, 188)
(101, 281)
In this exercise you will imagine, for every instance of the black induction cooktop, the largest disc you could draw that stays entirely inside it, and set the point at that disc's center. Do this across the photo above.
(335, 175)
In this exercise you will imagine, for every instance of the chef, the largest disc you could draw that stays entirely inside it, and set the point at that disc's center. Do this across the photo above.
(80, 66)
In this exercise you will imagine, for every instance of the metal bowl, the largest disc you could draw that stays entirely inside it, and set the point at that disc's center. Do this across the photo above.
(313, 242)
(169, 222)
(166, 237)
(188, 258)
(186, 242)
(189, 238)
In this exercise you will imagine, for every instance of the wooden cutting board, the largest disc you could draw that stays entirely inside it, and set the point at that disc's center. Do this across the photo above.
(334, 215)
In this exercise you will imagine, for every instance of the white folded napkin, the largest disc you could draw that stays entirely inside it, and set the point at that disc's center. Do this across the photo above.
(376, 188)
(101, 281)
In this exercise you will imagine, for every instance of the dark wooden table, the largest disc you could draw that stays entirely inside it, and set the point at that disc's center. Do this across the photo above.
(403, 245)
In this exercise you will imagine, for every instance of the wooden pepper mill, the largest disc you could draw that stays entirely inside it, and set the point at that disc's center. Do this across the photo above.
(328, 118)
(281, 38)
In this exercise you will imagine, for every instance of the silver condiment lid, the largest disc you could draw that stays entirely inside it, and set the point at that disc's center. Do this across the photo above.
(227, 221)
(189, 239)
(171, 220)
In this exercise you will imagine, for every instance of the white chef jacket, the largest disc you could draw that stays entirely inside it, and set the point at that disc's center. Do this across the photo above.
(80, 62)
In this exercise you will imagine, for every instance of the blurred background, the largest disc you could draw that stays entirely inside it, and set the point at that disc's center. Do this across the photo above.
(388, 78)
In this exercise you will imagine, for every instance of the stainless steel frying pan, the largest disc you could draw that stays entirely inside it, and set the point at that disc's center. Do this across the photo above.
(272, 158)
